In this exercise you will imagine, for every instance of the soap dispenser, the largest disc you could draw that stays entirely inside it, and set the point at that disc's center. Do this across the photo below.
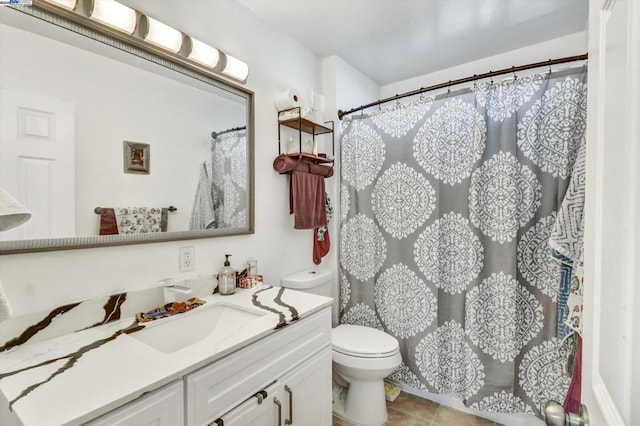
(227, 278)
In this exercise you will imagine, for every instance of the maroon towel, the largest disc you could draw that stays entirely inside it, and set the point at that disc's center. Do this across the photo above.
(320, 248)
(307, 200)
(285, 164)
(108, 224)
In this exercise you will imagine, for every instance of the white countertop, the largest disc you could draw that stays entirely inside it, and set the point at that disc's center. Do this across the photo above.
(79, 385)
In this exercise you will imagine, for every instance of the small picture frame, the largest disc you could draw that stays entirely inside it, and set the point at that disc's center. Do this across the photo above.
(136, 158)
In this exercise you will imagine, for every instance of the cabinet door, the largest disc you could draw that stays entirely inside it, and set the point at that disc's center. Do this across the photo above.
(255, 412)
(307, 392)
(162, 407)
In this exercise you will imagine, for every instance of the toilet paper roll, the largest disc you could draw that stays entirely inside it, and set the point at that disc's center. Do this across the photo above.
(287, 99)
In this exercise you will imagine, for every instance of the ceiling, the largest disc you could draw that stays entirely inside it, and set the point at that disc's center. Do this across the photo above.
(392, 40)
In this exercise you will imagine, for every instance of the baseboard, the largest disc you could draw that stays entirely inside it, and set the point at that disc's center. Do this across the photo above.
(606, 405)
(452, 401)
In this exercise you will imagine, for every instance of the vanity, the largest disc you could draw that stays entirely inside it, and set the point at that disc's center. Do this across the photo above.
(246, 359)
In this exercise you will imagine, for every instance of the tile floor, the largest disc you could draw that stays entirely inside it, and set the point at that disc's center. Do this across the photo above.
(410, 410)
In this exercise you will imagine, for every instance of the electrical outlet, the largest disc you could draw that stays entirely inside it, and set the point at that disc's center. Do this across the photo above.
(187, 259)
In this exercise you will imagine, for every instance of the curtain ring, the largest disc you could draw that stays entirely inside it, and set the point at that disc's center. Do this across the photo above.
(449, 88)
(549, 67)
(361, 111)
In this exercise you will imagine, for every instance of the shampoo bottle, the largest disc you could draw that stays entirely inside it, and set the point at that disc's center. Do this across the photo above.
(227, 278)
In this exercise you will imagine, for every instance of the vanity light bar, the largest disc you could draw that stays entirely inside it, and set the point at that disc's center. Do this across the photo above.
(163, 35)
(141, 30)
(204, 54)
(115, 15)
(67, 4)
(235, 68)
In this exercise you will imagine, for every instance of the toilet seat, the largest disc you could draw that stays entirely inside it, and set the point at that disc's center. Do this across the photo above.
(363, 342)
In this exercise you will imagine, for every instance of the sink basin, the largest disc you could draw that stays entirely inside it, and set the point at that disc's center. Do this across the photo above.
(180, 331)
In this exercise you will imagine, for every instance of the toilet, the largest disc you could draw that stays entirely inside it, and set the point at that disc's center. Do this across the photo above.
(362, 358)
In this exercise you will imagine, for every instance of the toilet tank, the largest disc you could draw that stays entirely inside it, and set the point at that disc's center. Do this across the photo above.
(310, 281)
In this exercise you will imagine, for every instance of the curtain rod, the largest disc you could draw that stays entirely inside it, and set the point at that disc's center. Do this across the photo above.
(215, 135)
(466, 80)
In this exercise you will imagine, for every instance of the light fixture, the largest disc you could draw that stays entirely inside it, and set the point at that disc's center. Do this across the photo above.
(67, 4)
(115, 15)
(235, 68)
(163, 35)
(12, 213)
(203, 53)
(142, 31)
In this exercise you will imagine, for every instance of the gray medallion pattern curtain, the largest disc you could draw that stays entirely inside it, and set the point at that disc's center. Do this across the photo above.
(447, 207)
(229, 179)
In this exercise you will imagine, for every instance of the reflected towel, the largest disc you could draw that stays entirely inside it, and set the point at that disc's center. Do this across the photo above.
(286, 164)
(203, 215)
(141, 220)
(307, 200)
(108, 224)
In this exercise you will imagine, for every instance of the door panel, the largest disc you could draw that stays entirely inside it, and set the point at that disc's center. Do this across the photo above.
(37, 138)
(611, 383)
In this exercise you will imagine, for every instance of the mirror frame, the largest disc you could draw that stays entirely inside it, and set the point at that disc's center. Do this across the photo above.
(83, 26)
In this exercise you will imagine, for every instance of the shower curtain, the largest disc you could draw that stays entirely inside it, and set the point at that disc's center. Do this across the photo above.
(229, 179)
(447, 205)
(221, 193)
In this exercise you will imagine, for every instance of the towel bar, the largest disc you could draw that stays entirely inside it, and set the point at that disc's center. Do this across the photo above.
(98, 210)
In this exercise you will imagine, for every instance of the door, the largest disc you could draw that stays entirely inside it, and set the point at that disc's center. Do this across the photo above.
(308, 392)
(611, 368)
(37, 165)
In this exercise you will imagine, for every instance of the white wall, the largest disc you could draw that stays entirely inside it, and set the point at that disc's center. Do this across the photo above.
(38, 281)
(571, 45)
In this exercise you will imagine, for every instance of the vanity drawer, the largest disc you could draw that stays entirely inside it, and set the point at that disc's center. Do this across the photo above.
(216, 389)
(164, 406)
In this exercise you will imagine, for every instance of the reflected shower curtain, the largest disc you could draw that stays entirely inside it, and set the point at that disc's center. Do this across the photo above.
(229, 179)
(447, 206)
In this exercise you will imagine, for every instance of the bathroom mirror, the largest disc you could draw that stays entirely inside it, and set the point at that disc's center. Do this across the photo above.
(91, 124)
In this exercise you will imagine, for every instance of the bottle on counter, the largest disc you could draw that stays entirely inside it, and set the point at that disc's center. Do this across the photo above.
(227, 278)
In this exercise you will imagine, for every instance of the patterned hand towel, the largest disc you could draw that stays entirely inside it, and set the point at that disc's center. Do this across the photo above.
(140, 220)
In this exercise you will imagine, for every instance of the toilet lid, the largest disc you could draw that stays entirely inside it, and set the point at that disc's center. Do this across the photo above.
(364, 342)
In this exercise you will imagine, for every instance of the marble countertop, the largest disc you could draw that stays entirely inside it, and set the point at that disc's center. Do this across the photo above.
(71, 379)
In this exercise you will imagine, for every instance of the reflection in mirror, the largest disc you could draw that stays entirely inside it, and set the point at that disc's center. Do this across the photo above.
(71, 107)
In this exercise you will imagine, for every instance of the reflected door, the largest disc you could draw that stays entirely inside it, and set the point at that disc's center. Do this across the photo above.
(37, 166)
